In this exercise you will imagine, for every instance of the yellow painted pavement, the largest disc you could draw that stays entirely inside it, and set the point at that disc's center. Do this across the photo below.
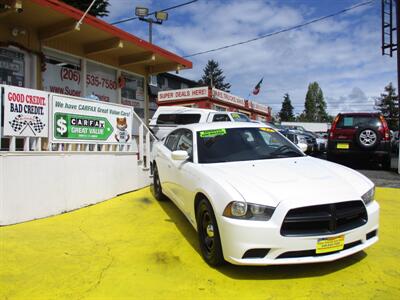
(133, 247)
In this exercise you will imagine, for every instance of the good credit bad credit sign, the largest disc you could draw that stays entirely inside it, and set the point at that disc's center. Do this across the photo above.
(82, 121)
(25, 112)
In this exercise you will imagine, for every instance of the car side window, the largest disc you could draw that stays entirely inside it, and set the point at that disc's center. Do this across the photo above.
(185, 142)
(171, 140)
(221, 118)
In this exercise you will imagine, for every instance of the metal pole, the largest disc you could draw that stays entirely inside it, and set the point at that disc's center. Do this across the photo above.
(398, 67)
(150, 31)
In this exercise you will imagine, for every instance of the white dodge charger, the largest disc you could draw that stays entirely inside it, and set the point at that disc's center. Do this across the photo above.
(256, 199)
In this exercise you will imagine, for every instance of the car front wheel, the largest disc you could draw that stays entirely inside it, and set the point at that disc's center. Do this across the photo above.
(158, 194)
(209, 238)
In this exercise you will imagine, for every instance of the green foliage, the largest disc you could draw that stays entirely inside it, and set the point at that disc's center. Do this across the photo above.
(314, 105)
(99, 8)
(213, 73)
(286, 113)
(388, 105)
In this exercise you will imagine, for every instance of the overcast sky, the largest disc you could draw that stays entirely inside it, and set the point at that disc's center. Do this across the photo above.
(342, 54)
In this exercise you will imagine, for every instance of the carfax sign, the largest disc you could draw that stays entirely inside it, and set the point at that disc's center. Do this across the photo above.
(85, 121)
(25, 112)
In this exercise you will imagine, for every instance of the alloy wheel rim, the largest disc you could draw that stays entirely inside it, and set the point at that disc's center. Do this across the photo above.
(368, 137)
(208, 232)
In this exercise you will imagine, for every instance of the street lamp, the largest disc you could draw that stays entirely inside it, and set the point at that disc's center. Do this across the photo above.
(143, 13)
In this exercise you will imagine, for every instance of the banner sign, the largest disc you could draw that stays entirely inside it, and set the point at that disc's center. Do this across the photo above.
(62, 80)
(260, 107)
(183, 94)
(226, 97)
(102, 82)
(82, 121)
(25, 112)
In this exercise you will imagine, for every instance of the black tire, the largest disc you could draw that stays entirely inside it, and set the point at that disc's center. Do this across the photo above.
(331, 157)
(208, 233)
(158, 194)
(386, 162)
(367, 138)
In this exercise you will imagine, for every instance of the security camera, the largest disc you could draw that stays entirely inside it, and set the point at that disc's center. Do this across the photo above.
(18, 7)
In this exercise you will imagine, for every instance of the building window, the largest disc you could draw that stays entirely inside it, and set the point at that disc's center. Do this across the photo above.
(63, 74)
(153, 80)
(101, 82)
(219, 108)
(133, 93)
(15, 67)
(184, 85)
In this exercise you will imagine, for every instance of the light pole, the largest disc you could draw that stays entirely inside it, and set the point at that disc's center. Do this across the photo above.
(143, 13)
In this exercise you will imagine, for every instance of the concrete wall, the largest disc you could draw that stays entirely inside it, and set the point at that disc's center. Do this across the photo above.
(35, 185)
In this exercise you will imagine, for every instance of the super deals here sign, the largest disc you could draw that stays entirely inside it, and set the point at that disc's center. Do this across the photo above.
(85, 121)
(25, 112)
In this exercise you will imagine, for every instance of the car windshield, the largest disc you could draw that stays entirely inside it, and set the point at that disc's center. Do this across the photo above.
(240, 117)
(241, 144)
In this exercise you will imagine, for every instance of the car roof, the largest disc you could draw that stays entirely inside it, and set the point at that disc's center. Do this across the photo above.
(360, 114)
(219, 125)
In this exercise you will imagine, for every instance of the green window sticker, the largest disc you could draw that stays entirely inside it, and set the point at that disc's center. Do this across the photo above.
(235, 116)
(212, 133)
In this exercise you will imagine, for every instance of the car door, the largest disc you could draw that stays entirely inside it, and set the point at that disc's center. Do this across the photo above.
(181, 171)
(163, 159)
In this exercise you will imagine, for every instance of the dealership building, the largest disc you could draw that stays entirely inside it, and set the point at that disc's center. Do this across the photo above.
(212, 98)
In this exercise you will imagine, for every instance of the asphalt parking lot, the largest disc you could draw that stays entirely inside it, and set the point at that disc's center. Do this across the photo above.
(374, 171)
(134, 247)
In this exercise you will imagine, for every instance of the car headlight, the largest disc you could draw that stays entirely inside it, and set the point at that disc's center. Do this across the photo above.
(248, 211)
(369, 196)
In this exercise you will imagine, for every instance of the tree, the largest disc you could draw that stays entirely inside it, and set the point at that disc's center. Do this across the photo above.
(388, 105)
(99, 8)
(286, 113)
(315, 105)
(213, 76)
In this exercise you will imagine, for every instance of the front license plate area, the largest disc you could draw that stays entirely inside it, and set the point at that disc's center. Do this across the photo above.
(342, 146)
(330, 244)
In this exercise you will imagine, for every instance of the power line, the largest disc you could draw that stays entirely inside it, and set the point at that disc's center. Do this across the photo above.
(284, 30)
(153, 12)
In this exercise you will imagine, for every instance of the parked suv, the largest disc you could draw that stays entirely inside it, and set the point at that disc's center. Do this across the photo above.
(360, 135)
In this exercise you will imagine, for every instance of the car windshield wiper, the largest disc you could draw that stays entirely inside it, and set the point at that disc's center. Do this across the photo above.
(284, 149)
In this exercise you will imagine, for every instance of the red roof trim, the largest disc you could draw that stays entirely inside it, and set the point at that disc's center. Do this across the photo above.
(102, 25)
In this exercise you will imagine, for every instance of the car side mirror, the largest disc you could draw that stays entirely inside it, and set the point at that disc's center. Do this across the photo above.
(179, 155)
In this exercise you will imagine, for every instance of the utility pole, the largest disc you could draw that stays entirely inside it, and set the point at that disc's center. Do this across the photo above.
(398, 70)
(387, 43)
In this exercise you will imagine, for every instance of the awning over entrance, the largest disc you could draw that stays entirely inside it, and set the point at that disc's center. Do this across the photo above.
(52, 23)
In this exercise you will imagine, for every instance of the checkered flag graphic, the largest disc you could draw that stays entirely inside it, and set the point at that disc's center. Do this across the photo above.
(37, 125)
(18, 124)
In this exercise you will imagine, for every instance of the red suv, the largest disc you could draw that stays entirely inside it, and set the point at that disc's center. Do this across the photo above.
(360, 135)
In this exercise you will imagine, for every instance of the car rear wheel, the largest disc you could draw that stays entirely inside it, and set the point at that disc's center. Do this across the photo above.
(158, 194)
(209, 238)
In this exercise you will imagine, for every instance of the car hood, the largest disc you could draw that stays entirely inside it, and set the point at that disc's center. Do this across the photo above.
(301, 180)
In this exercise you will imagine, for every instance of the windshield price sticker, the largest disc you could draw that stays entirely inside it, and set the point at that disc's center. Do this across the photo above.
(235, 116)
(212, 133)
(267, 129)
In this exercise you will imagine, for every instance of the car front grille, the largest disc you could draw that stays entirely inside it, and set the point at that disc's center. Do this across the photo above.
(324, 219)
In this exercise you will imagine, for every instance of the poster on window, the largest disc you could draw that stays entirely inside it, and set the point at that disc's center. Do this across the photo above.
(62, 80)
(101, 82)
(25, 112)
(12, 71)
